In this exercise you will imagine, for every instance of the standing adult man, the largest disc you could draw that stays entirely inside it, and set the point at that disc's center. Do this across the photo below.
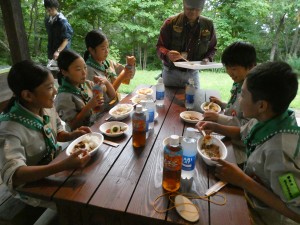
(58, 28)
(187, 35)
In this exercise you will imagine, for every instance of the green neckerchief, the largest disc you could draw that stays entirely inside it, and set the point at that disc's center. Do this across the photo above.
(69, 88)
(235, 90)
(263, 131)
(104, 67)
(18, 114)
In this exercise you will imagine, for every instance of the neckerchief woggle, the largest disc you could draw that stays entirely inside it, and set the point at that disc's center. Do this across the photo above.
(104, 67)
(263, 131)
(69, 88)
(18, 114)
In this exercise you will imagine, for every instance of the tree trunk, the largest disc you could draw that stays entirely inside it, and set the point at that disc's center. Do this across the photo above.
(294, 42)
(297, 48)
(145, 58)
(276, 38)
(140, 55)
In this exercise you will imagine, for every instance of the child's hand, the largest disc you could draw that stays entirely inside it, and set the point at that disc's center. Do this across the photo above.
(207, 126)
(215, 100)
(100, 80)
(211, 116)
(129, 73)
(77, 159)
(95, 101)
(80, 131)
(130, 60)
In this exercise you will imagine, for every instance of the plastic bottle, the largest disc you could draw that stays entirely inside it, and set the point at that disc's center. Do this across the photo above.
(150, 105)
(190, 94)
(138, 127)
(144, 103)
(98, 92)
(172, 164)
(189, 146)
(160, 92)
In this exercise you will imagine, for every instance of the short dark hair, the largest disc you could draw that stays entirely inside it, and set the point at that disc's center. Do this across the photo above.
(274, 82)
(64, 60)
(239, 54)
(51, 4)
(92, 40)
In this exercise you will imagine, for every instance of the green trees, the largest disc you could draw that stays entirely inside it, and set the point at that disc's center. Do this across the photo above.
(133, 26)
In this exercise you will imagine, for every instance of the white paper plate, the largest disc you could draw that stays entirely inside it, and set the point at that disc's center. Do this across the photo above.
(120, 116)
(144, 91)
(216, 106)
(186, 114)
(196, 65)
(105, 126)
(98, 136)
(137, 98)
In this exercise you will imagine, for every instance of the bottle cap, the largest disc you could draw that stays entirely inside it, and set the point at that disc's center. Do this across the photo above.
(189, 132)
(139, 108)
(174, 140)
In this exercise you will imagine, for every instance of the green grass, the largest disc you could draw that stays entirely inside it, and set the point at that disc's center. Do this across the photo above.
(208, 80)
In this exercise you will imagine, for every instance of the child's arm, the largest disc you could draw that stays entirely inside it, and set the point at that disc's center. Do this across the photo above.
(65, 136)
(231, 173)
(228, 131)
(109, 87)
(25, 174)
(218, 101)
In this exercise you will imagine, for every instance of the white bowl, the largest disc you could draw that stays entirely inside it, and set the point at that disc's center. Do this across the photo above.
(216, 141)
(121, 111)
(167, 140)
(216, 108)
(144, 91)
(97, 136)
(105, 126)
(187, 114)
(138, 98)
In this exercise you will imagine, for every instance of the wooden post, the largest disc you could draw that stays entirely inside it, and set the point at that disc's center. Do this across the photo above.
(15, 29)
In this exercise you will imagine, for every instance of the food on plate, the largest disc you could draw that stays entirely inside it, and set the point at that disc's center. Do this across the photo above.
(88, 144)
(138, 98)
(212, 107)
(209, 149)
(188, 116)
(121, 110)
(115, 129)
(145, 91)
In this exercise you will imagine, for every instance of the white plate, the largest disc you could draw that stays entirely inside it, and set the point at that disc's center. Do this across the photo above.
(196, 65)
(216, 109)
(137, 98)
(123, 115)
(99, 137)
(144, 91)
(215, 141)
(105, 126)
(184, 115)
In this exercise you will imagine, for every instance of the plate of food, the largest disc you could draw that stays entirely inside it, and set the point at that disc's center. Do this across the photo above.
(210, 146)
(210, 107)
(191, 116)
(138, 98)
(197, 65)
(113, 129)
(121, 111)
(144, 91)
(90, 142)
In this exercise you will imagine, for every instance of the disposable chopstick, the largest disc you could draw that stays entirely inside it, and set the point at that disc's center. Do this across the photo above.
(111, 143)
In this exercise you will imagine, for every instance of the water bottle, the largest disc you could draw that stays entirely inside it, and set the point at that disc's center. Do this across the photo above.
(189, 146)
(160, 92)
(150, 105)
(190, 94)
(138, 127)
(144, 103)
(98, 92)
(172, 164)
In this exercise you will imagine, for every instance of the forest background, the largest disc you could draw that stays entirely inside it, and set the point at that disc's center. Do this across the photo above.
(133, 26)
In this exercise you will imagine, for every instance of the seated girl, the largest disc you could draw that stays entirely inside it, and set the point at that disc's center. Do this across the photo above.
(75, 102)
(271, 178)
(97, 50)
(30, 129)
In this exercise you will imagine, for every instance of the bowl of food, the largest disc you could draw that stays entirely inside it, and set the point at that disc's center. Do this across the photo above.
(121, 111)
(89, 142)
(113, 129)
(210, 107)
(191, 116)
(209, 147)
(144, 91)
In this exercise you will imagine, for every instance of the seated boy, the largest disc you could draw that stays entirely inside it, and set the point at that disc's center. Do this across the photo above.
(271, 178)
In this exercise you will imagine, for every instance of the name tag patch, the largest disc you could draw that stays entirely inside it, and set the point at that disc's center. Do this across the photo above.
(289, 186)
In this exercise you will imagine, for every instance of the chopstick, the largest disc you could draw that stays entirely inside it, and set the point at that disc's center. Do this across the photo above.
(111, 143)
(215, 188)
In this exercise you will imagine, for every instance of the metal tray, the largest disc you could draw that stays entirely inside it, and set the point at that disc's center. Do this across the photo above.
(196, 65)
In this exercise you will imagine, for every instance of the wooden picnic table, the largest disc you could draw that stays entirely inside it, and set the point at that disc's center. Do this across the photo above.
(120, 184)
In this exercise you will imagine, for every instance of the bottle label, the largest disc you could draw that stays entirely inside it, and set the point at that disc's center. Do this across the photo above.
(151, 116)
(160, 95)
(172, 163)
(139, 125)
(189, 98)
(188, 163)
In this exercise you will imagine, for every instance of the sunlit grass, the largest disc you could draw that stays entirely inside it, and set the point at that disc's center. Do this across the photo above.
(208, 80)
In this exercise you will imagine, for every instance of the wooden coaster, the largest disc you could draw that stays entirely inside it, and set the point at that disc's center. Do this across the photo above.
(186, 209)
